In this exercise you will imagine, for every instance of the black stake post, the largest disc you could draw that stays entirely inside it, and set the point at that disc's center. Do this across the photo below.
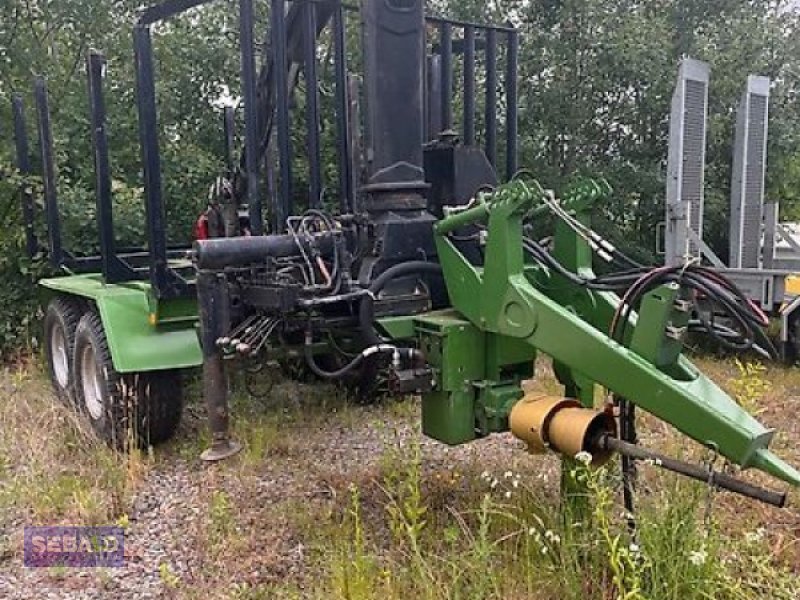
(248, 76)
(151, 162)
(491, 96)
(342, 111)
(48, 173)
(446, 49)
(229, 132)
(433, 102)
(469, 85)
(113, 269)
(511, 101)
(312, 104)
(280, 66)
(24, 166)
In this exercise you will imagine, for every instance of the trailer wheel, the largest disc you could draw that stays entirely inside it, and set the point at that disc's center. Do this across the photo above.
(125, 409)
(60, 321)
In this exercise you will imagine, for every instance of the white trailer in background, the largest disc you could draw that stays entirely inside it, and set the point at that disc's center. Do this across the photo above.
(756, 263)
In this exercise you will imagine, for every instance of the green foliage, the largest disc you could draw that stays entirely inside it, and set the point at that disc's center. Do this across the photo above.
(53, 39)
(595, 85)
(18, 302)
(596, 81)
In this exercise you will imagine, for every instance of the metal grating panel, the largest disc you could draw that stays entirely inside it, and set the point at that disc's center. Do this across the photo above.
(749, 166)
(686, 162)
(694, 146)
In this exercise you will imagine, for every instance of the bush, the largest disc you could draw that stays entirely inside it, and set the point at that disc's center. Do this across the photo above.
(18, 301)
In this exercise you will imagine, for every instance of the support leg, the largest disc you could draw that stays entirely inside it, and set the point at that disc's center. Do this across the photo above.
(214, 322)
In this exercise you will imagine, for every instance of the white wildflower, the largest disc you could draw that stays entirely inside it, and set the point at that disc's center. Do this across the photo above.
(634, 548)
(698, 557)
(494, 483)
(515, 483)
(508, 474)
(508, 494)
(755, 536)
(485, 475)
(553, 537)
(583, 457)
(531, 530)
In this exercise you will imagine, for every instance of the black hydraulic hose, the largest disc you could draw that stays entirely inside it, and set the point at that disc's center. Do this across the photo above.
(366, 309)
(408, 354)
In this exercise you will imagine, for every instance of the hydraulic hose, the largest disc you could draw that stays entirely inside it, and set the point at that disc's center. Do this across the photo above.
(398, 354)
(366, 309)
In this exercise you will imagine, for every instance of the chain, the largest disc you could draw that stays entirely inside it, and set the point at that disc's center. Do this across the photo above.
(709, 462)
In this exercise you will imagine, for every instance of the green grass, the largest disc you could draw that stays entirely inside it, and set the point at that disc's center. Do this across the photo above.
(406, 518)
(509, 540)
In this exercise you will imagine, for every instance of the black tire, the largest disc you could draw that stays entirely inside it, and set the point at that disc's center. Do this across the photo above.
(60, 322)
(124, 409)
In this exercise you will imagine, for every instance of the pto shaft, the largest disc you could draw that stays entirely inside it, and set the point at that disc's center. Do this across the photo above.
(606, 443)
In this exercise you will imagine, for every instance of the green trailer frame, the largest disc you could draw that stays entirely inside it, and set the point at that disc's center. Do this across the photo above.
(143, 332)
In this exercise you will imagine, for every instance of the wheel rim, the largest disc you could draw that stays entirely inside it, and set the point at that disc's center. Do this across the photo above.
(58, 356)
(90, 383)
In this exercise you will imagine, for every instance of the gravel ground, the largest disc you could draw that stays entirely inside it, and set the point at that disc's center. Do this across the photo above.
(167, 515)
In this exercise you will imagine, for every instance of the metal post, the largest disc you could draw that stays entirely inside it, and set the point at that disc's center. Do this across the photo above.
(312, 107)
(282, 106)
(214, 305)
(342, 110)
(95, 63)
(511, 104)
(151, 161)
(469, 85)
(228, 130)
(446, 49)
(434, 99)
(24, 166)
(48, 173)
(354, 137)
(491, 96)
(248, 76)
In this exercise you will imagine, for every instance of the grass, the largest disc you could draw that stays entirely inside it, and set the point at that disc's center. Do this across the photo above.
(52, 467)
(329, 500)
(505, 539)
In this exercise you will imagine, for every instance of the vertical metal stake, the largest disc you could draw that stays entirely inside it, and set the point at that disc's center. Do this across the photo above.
(24, 166)
(248, 77)
(511, 104)
(312, 107)
(491, 96)
(48, 173)
(469, 85)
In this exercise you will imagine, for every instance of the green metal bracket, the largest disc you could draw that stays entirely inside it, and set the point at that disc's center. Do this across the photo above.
(503, 298)
(478, 377)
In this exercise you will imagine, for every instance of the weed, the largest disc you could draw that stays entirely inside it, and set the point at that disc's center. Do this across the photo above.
(750, 385)
(221, 524)
(168, 576)
(354, 568)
